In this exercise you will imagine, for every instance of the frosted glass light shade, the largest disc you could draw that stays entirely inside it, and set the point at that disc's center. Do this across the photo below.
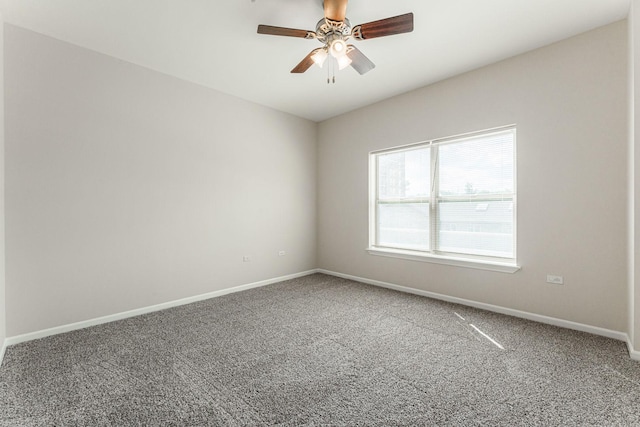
(338, 48)
(343, 62)
(319, 57)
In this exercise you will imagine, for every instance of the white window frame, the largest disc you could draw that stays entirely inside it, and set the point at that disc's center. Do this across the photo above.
(506, 265)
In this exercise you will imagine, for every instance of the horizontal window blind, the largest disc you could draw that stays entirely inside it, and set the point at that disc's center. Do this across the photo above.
(475, 195)
(403, 196)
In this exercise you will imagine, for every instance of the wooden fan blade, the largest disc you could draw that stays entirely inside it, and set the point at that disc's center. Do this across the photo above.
(289, 32)
(336, 10)
(359, 61)
(306, 63)
(384, 27)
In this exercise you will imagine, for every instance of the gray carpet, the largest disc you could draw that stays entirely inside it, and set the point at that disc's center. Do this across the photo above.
(320, 351)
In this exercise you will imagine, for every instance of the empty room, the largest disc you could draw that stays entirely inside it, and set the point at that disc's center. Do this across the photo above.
(279, 212)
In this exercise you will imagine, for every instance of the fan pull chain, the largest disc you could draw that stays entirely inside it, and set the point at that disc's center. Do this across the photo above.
(334, 64)
(328, 71)
(331, 71)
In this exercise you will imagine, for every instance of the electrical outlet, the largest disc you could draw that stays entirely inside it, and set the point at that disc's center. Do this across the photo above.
(282, 253)
(246, 259)
(556, 280)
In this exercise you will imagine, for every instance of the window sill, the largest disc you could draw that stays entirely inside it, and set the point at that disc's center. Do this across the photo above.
(446, 260)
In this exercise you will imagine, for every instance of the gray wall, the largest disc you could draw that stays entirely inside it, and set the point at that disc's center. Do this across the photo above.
(569, 103)
(3, 304)
(127, 188)
(634, 176)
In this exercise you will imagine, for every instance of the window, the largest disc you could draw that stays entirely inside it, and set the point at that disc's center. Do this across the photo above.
(450, 199)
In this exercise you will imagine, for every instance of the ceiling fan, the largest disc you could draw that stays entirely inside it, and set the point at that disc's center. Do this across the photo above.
(334, 30)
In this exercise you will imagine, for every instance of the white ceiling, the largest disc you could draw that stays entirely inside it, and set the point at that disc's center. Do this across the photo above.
(214, 42)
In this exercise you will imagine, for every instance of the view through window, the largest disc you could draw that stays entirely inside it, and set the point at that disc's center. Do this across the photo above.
(452, 197)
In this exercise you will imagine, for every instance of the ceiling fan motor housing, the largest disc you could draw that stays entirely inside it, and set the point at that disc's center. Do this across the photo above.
(327, 30)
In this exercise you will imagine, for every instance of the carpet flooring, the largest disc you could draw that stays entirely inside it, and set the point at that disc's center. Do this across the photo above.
(320, 350)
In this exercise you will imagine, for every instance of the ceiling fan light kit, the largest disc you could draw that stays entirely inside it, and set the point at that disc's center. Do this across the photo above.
(319, 56)
(338, 48)
(334, 30)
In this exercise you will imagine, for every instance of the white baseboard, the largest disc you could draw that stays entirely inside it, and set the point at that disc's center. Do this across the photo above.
(144, 310)
(3, 350)
(634, 354)
(620, 336)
